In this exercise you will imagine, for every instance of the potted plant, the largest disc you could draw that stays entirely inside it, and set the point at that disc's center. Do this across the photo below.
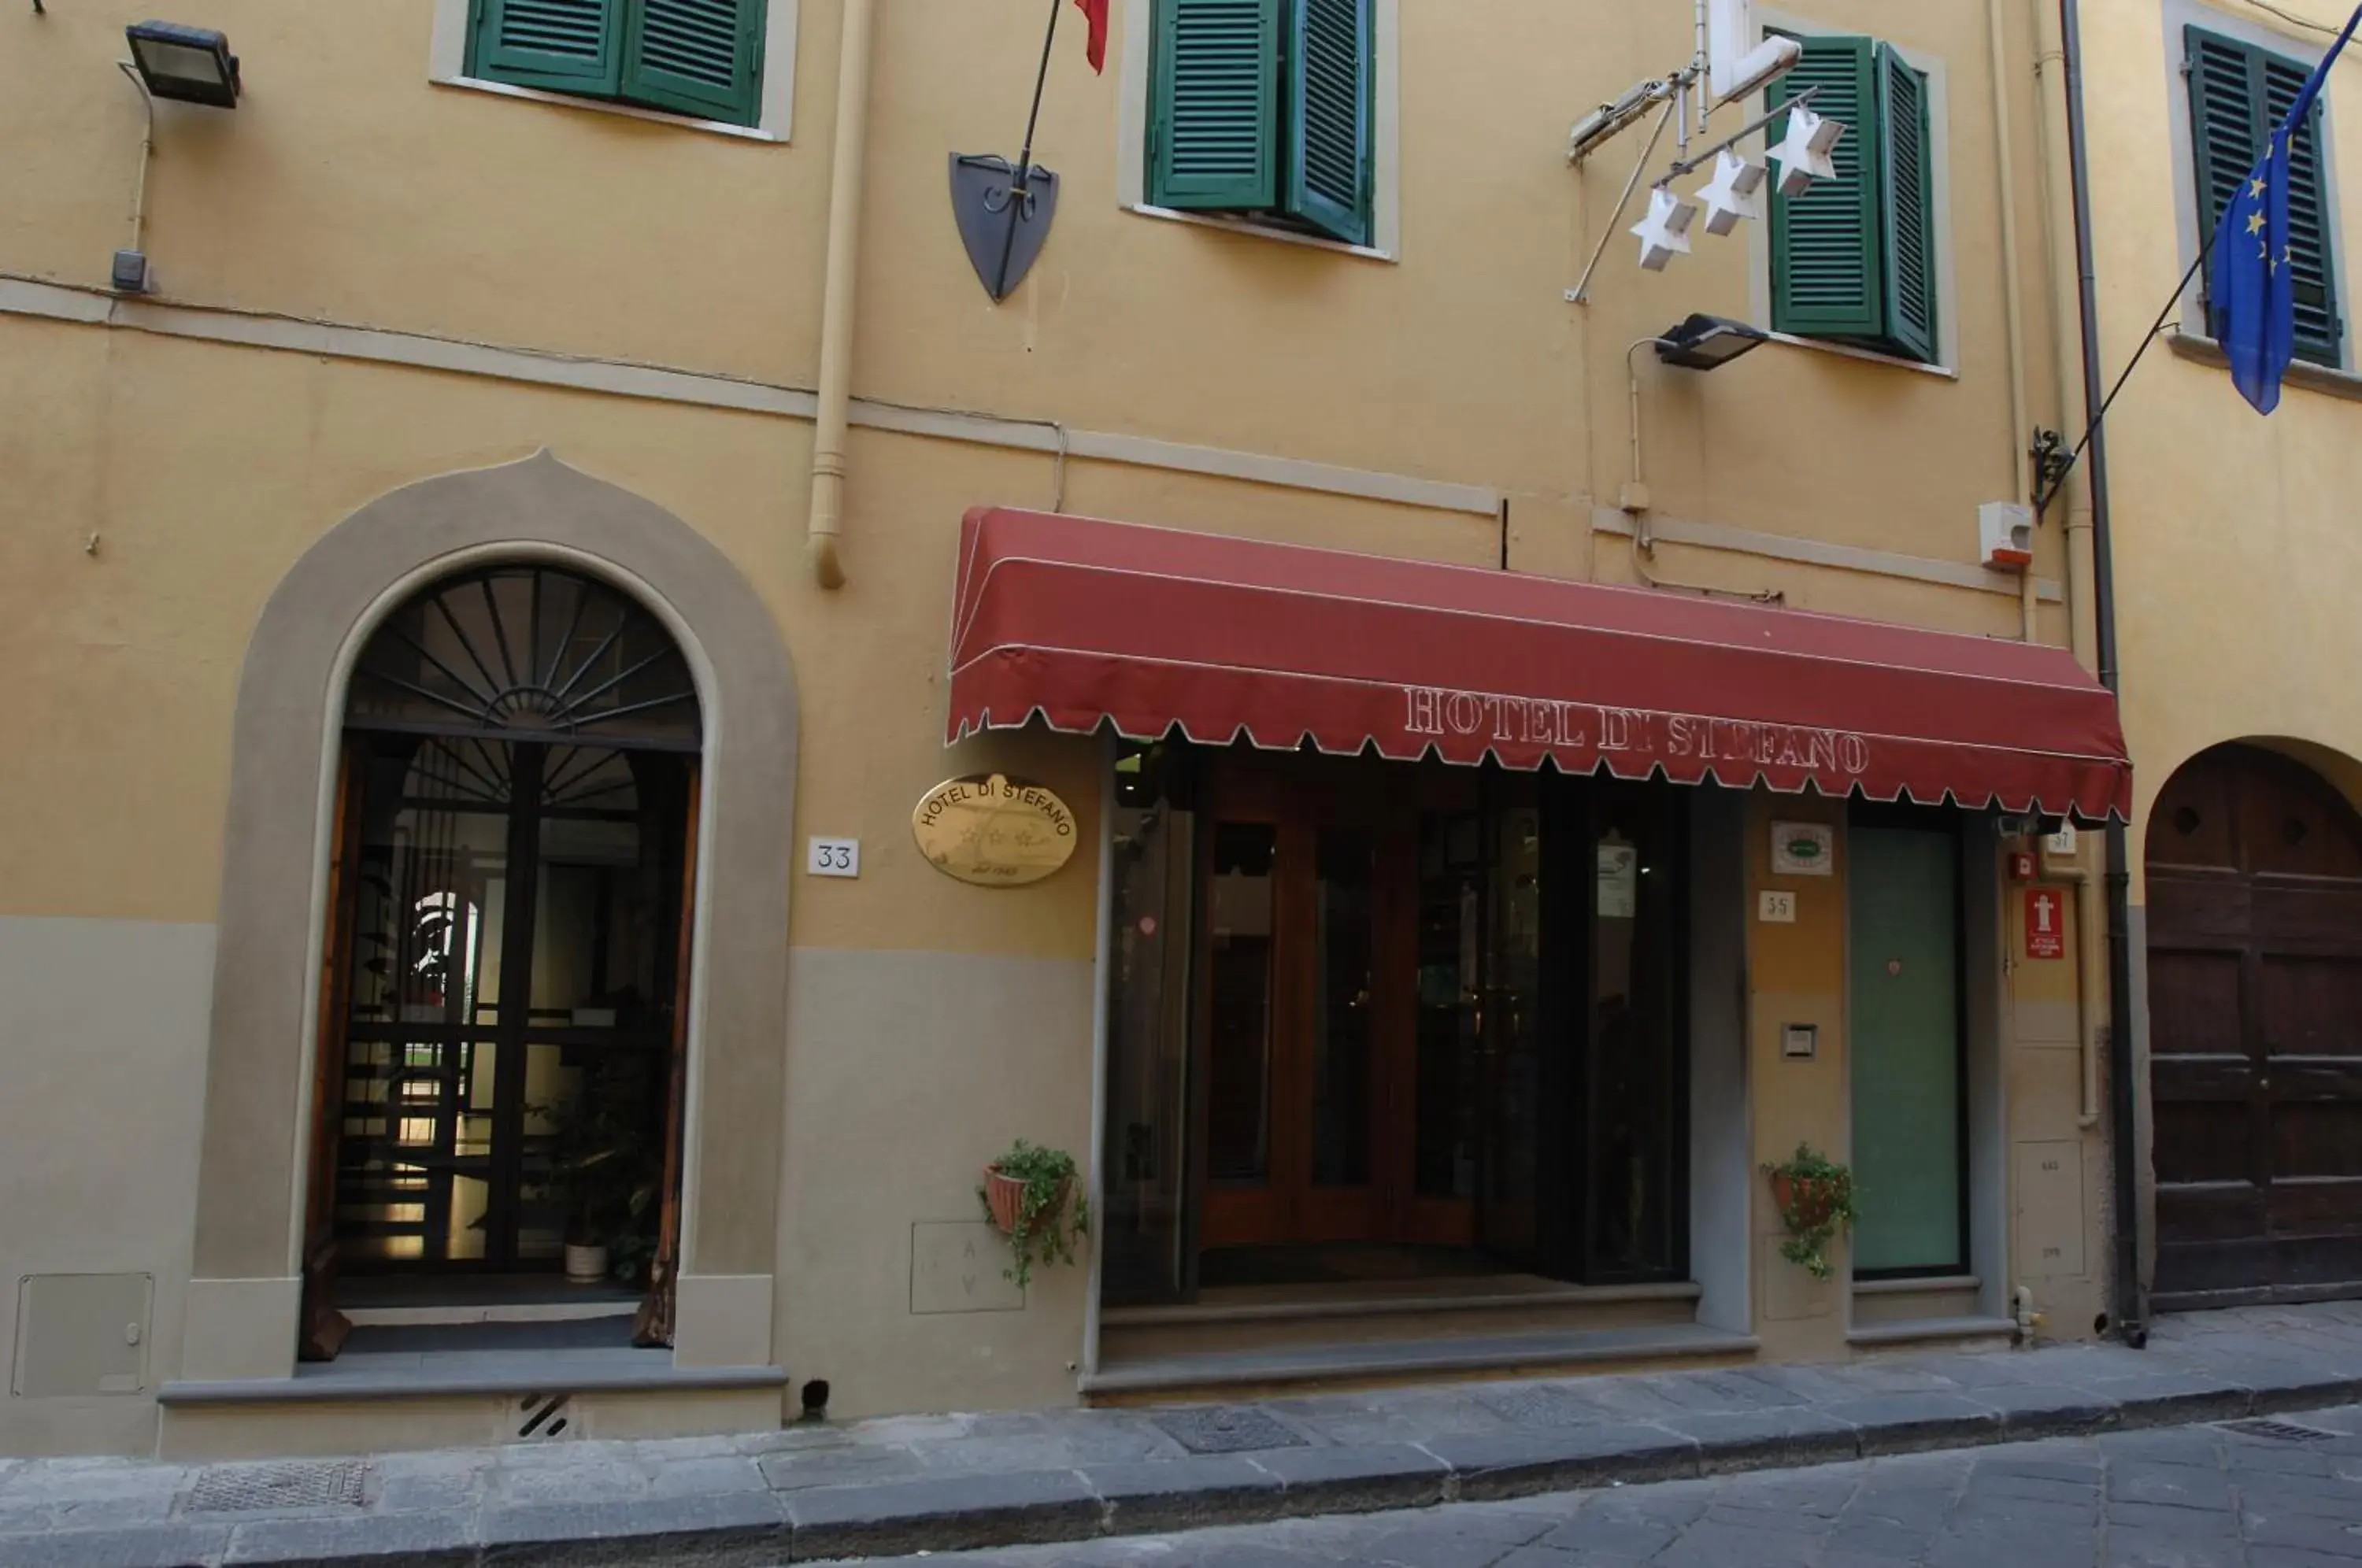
(1814, 1195)
(1029, 1195)
(605, 1168)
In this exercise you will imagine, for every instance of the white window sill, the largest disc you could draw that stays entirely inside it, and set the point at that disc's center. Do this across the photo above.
(629, 111)
(1240, 225)
(1868, 356)
(2300, 372)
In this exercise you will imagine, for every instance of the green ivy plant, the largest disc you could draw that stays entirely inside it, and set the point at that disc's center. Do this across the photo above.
(1818, 1206)
(1050, 1218)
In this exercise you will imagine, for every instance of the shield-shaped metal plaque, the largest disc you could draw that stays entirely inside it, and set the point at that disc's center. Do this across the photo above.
(1002, 227)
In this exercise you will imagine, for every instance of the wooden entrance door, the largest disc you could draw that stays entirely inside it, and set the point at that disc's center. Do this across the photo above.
(1307, 1001)
(2254, 957)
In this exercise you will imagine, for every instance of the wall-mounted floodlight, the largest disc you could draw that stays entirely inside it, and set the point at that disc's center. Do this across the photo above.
(189, 65)
(1708, 342)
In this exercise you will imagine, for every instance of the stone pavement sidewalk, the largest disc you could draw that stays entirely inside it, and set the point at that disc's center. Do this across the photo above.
(951, 1482)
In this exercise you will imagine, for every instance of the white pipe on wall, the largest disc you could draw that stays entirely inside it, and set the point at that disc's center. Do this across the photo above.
(826, 519)
(2021, 429)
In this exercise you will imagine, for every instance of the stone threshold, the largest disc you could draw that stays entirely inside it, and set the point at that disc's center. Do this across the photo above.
(503, 1375)
(1359, 1361)
(1920, 1330)
(1511, 1292)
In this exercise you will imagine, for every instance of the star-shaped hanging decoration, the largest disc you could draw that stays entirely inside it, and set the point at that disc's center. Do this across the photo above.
(1803, 154)
(1731, 194)
(1665, 231)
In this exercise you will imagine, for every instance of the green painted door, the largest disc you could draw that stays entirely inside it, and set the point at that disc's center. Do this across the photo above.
(1905, 1048)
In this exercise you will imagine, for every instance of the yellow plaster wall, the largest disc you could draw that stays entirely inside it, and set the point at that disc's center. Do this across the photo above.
(348, 188)
(1796, 974)
(2236, 550)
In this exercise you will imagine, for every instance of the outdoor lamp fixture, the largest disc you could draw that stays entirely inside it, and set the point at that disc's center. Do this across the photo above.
(189, 65)
(1708, 342)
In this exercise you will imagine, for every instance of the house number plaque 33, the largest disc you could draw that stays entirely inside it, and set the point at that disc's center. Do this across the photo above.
(994, 831)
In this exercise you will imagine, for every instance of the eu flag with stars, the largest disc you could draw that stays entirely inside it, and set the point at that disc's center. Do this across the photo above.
(2252, 286)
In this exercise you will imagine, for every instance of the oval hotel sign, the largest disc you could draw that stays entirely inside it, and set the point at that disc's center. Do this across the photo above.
(994, 831)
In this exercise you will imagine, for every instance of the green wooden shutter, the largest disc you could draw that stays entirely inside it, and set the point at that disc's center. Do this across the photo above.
(1909, 207)
(699, 57)
(2237, 93)
(1213, 111)
(1828, 260)
(2318, 328)
(1332, 52)
(568, 46)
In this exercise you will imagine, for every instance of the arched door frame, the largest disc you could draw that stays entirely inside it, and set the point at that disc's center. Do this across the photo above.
(2339, 774)
(240, 1320)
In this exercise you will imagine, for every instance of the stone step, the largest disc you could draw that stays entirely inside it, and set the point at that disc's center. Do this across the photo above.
(1306, 1317)
(1344, 1362)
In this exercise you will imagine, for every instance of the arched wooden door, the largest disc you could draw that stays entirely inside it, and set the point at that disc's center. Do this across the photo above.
(2255, 981)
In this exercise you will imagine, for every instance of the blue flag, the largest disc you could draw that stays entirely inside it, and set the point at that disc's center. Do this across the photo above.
(2252, 286)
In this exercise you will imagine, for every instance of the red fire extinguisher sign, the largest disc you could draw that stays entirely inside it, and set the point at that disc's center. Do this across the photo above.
(2046, 924)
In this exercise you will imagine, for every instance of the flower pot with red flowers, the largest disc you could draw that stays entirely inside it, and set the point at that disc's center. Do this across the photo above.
(1814, 1196)
(1029, 1196)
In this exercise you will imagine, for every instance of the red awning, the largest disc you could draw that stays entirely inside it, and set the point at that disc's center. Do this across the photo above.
(1082, 622)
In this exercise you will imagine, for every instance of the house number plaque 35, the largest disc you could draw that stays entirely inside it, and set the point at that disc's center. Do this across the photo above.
(994, 831)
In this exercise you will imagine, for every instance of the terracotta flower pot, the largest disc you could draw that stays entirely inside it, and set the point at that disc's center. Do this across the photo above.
(1806, 1203)
(1005, 1195)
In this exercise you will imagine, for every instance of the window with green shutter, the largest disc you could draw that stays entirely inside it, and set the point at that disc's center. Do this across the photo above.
(1853, 258)
(2238, 93)
(693, 57)
(1262, 108)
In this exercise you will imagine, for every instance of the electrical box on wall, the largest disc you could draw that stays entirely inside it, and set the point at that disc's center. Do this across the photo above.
(2005, 535)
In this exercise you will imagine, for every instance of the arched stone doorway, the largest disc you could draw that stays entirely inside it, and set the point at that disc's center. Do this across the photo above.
(273, 980)
(2255, 980)
(505, 1039)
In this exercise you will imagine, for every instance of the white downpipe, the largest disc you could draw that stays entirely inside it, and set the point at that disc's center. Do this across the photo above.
(2021, 427)
(825, 522)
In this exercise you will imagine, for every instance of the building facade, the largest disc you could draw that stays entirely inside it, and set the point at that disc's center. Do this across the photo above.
(563, 504)
(2244, 888)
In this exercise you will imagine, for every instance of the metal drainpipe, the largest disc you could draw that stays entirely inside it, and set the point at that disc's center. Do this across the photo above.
(2130, 1321)
(826, 517)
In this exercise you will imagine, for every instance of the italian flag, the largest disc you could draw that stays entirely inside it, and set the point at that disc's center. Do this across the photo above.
(1097, 13)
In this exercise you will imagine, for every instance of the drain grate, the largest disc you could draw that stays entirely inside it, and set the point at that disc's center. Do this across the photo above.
(2276, 1431)
(1542, 1406)
(255, 1488)
(544, 1415)
(1227, 1428)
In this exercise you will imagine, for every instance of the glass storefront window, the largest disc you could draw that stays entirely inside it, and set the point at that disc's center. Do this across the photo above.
(1357, 1006)
(1153, 848)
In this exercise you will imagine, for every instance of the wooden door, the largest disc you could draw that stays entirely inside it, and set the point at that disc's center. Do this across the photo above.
(2255, 959)
(1303, 994)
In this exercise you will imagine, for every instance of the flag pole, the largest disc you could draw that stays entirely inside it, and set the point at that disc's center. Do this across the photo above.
(2055, 477)
(1021, 192)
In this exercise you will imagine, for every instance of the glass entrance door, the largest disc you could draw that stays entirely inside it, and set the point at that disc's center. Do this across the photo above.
(1368, 1017)
(1302, 928)
(509, 1001)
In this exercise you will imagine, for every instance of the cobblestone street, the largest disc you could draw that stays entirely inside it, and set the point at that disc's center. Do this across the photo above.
(2284, 1494)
